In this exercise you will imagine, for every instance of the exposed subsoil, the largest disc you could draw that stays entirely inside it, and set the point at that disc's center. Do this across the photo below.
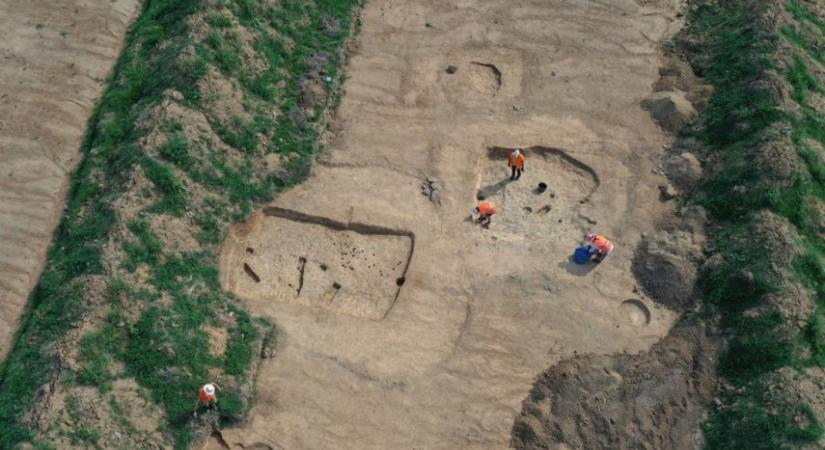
(55, 57)
(439, 91)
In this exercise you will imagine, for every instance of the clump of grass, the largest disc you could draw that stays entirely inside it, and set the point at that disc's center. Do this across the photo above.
(176, 151)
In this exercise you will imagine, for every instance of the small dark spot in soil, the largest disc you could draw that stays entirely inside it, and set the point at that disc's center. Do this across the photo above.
(336, 286)
(528, 209)
(400, 281)
(559, 220)
(250, 250)
(324, 267)
(452, 69)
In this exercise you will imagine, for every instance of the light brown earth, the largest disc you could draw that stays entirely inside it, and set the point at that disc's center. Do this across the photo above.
(480, 312)
(55, 57)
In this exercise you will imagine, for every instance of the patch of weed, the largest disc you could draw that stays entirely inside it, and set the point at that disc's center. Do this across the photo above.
(735, 58)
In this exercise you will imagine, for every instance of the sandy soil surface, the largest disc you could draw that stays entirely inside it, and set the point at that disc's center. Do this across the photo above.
(55, 57)
(480, 312)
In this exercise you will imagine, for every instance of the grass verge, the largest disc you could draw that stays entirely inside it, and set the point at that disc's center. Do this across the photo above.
(161, 300)
(747, 116)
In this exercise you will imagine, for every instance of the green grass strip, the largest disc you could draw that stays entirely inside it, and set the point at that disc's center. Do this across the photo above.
(165, 349)
(736, 56)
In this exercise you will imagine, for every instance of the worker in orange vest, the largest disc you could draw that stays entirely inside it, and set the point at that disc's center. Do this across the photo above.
(206, 396)
(516, 163)
(485, 211)
(599, 245)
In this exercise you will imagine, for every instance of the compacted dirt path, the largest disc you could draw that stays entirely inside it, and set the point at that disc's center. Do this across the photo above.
(55, 57)
(403, 325)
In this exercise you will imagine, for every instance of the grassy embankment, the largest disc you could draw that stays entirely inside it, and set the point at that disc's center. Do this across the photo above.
(157, 300)
(747, 116)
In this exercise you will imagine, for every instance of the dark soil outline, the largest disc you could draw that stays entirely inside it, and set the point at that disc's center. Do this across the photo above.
(360, 228)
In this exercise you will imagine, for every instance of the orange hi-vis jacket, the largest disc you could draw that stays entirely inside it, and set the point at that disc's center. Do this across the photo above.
(518, 163)
(204, 396)
(602, 243)
(487, 208)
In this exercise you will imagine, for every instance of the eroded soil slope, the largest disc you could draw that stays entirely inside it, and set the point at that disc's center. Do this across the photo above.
(55, 57)
(479, 313)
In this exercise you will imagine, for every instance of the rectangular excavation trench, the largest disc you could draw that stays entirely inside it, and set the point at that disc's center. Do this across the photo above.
(290, 257)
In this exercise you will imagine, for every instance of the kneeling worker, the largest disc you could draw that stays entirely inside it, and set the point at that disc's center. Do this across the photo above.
(485, 211)
(599, 245)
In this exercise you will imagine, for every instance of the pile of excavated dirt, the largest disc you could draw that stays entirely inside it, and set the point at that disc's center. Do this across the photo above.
(442, 90)
(653, 400)
(56, 58)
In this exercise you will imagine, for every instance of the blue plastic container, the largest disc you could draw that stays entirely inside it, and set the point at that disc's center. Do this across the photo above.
(582, 255)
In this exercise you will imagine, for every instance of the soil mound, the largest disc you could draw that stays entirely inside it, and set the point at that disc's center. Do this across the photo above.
(665, 265)
(684, 170)
(652, 400)
(671, 109)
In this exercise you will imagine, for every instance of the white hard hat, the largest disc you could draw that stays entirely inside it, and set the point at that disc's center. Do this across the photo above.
(589, 236)
(209, 389)
(517, 152)
(475, 210)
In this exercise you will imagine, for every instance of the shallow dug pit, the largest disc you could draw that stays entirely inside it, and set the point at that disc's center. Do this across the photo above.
(353, 269)
(484, 77)
(635, 313)
(553, 191)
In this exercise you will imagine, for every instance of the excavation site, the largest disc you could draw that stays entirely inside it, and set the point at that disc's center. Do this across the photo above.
(412, 224)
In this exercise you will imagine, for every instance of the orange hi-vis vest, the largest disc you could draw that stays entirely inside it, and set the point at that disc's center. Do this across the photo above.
(602, 243)
(487, 208)
(518, 163)
(204, 396)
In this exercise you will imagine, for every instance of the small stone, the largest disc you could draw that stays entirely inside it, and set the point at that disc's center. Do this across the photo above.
(668, 192)
(452, 69)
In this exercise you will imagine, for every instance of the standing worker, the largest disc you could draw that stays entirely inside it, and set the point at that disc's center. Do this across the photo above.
(485, 211)
(206, 396)
(516, 163)
(599, 245)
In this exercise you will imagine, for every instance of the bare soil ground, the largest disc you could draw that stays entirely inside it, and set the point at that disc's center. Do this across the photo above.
(55, 57)
(479, 312)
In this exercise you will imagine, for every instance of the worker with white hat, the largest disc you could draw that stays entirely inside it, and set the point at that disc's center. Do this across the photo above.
(516, 163)
(206, 396)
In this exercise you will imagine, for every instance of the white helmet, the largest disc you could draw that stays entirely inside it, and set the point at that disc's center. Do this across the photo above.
(517, 152)
(209, 389)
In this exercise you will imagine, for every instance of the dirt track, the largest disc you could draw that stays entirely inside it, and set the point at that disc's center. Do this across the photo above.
(55, 57)
(480, 312)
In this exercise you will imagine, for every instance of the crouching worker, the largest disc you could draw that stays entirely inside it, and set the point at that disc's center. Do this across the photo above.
(599, 245)
(484, 211)
(206, 397)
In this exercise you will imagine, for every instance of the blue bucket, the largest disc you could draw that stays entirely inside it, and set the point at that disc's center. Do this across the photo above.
(582, 255)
